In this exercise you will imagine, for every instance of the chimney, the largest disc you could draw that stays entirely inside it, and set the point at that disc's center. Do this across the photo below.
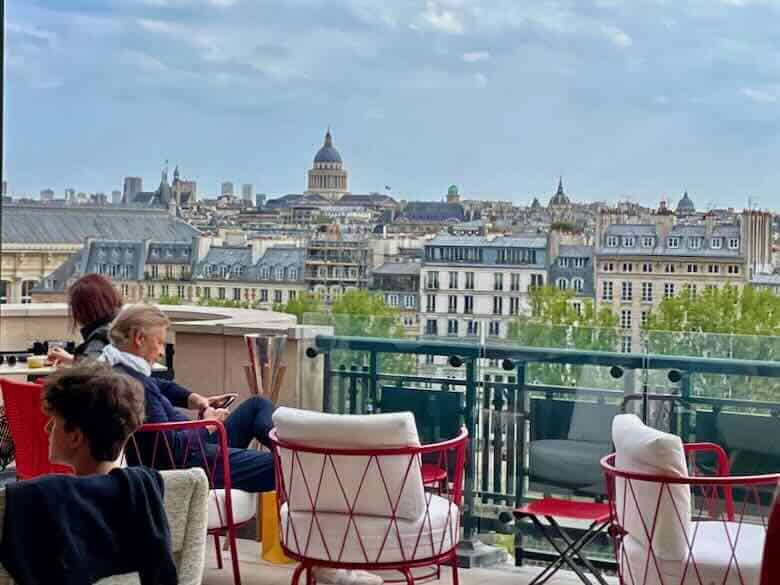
(709, 224)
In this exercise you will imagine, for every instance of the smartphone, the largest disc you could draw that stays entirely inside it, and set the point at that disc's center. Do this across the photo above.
(227, 402)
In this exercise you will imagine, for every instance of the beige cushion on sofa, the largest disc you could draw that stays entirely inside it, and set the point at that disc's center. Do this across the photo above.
(323, 430)
(643, 449)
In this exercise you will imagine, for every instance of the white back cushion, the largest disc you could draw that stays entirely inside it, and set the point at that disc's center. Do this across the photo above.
(646, 450)
(369, 485)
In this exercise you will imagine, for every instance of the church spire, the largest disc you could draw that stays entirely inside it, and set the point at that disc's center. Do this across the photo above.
(560, 186)
(328, 138)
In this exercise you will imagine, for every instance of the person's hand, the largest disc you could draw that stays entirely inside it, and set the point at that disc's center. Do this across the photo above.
(197, 402)
(218, 401)
(58, 355)
(219, 414)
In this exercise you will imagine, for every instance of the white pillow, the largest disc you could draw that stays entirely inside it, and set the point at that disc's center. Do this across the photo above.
(400, 473)
(643, 449)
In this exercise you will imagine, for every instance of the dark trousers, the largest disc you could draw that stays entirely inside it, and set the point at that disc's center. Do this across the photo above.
(250, 470)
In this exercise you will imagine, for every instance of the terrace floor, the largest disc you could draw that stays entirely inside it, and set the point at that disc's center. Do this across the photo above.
(255, 571)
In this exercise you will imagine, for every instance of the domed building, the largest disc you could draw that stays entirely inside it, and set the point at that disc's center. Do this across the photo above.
(685, 205)
(328, 177)
(560, 199)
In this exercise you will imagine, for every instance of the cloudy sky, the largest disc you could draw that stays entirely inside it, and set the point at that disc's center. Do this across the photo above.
(636, 98)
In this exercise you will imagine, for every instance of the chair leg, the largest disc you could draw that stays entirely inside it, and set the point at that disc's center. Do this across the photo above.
(219, 552)
(297, 574)
(408, 574)
(234, 554)
(310, 578)
(454, 566)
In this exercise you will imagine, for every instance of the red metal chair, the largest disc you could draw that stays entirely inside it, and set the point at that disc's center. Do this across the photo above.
(770, 567)
(229, 508)
(419, 529)
(690, 529)
(27, 423)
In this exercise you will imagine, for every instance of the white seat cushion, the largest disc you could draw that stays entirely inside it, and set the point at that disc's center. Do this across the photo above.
(712, 553)
(432, 534)
(244, 507)
(383, 482)
(661, 510)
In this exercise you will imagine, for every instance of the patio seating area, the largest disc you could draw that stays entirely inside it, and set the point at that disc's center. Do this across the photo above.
(539, 423)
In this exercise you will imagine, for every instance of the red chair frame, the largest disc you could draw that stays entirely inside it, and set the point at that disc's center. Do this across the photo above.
(453, 489)
(27, 423)
(195, 441)
(770, 567)
(716, 496)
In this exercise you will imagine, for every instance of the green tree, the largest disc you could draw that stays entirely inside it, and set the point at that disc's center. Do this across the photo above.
(300, 305)
(558, 319)
(224, 303)
(725, 322)
(168, 300)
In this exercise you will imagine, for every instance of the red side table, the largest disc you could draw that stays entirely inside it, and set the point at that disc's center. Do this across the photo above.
(570, 555)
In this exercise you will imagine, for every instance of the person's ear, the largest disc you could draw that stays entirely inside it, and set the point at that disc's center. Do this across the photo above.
(138, 338)
(76, 440)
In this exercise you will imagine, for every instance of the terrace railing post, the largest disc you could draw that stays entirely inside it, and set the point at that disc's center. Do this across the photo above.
(327, 383)
(353, 382)
(497, 416)
(342, 408)
(373, 365)
(485, 418)
(522, 407)
(685, 393)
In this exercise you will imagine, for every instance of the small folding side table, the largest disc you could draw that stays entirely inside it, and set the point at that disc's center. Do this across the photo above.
(570, 555)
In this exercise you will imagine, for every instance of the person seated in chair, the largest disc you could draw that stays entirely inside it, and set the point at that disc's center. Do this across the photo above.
(138, 340)
(105, 521)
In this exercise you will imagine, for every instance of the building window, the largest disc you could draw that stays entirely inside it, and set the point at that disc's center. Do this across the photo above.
(291, 294)
(392, 300)
(733, 243)
(155, 270)
(432, 280)
(629, 241)
(626, 344)
(647, 267)
(293, 274)
(224, 271)
(692, 268)
(452, 327)
(673, 242)
(668, 290)
(562, 283)
(452, 304)
(236, 294)
(164, 290)
(608, 267)
(498, 281)
(643, 317)
(409, 302)
(606, 291)
(669, 268)
(498, 305)
(468, 304)
(277, 296)
(648, 241)
(430, 303)
(612, 242)
(578, 284)
(694, 243)
(27, 286)
(537, 280)
(713, 269)
(494, 329)
(150, 290)
(734, 269)
(579, 262)
(453, 280)
(263, 295)
(431, 327)
(692, 290)
(469, 281)
(265, 273)
(514, 306)
(472, 328)
(180, 291)
(124, 288)
(221, 293)
(625, 319)
(563, 262)
(628, 267)
(716, 243)
(514, 282)
(627, 290)
(647, 292)
(279, 273)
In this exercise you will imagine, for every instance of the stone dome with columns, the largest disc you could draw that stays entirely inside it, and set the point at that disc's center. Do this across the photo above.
(328, 177)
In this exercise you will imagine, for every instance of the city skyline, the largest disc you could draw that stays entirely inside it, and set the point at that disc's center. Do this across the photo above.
(496, 97)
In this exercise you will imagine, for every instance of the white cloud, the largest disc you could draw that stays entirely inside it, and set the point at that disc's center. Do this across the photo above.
(617, 36)
(761, 96)
(442, 19)
(157, 26)
(475, 56)
(143, 61)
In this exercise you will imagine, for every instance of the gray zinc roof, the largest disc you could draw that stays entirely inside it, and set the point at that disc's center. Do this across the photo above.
(484, 242)
(29, 224)
(399, 268)
(575, 251)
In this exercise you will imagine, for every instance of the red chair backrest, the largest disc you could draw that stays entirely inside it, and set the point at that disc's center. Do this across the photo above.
(27, 423)
(770, 566)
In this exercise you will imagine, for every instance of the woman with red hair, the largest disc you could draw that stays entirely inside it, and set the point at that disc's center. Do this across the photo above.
(93, 302)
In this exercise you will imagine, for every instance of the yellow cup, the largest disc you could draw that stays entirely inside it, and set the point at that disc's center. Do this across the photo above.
(36, 361)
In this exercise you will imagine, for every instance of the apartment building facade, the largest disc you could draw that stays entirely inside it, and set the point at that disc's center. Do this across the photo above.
(474, 286)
